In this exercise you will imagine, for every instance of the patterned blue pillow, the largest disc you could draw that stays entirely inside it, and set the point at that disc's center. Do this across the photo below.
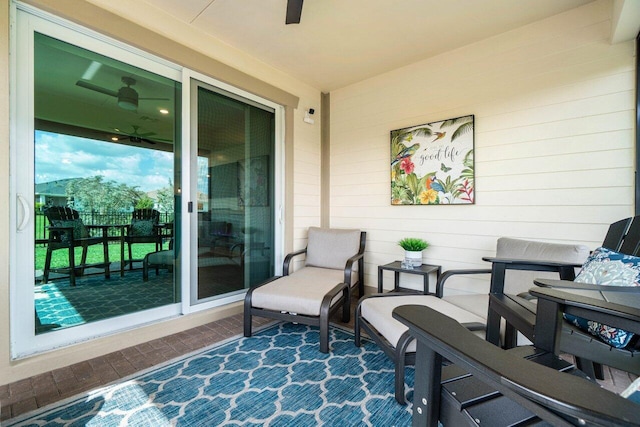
(607, 267)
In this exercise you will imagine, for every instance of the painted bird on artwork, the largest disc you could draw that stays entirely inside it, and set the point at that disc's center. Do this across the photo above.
(431, 183)
(406, 152)
(439, 135)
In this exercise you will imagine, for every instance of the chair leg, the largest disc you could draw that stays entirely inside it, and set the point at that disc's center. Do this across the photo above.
(400, 352)
(83, 259)
(130, 257)
(356, 327)
(72, 265)
(593, 370)
(324, 334)
(510, 337)
(247, 314)
(346, 305)
(47, 265)
(121, 255)
(105, 251)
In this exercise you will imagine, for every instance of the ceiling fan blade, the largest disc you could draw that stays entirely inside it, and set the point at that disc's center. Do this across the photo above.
(96, 88)
(294, 11)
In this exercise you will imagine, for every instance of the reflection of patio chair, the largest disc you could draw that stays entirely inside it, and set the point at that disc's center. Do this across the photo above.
(144, 228)
(67, 231)
(221, 238)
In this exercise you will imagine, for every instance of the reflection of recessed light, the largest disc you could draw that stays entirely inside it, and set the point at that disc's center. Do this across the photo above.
(164, 111)
(114, 138)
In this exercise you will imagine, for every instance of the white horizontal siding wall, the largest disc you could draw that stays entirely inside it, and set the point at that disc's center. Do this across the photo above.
(306, 177)
(554, 142)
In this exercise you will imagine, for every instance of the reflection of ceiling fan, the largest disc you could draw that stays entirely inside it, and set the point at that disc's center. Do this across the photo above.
(135, 136)
(294, 11)
(127, 96)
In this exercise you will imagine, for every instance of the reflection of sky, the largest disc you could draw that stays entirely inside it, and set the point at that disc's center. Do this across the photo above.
(62, 156)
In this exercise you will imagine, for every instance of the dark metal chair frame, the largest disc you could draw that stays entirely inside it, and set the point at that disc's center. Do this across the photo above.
(326, 310)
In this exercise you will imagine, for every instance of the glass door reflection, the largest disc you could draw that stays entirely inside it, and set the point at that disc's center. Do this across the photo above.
(234, 193)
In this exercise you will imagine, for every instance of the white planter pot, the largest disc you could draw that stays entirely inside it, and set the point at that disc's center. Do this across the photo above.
(414, 256)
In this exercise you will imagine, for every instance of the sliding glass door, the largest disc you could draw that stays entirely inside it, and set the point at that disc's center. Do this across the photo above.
(96, 144)
(235, 149)
(104, 140)
(99, 162)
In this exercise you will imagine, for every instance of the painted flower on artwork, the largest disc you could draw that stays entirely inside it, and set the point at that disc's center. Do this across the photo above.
(407, 165)
(428, 197)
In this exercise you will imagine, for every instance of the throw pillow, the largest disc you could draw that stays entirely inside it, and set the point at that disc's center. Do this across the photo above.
(607, 267)
(79, 230)
(142, 227)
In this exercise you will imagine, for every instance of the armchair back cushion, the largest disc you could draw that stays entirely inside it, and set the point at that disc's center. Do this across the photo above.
(521, 281)
(331, 248)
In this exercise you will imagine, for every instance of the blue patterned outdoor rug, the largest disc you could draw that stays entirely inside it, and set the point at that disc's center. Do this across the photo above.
(276, 378)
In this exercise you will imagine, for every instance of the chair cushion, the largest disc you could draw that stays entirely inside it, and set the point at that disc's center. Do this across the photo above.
(142, 227)
(607, 267)
(300, 292)
(378, 312)
(474, 303)
(331, 248)
(521, 281)
(79, 229)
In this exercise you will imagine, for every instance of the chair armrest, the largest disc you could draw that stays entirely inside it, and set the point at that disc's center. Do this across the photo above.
(348, 267)
(288, 258)
(568, 284)
(450, 273)
(609, 313)
(533, 263)
(543, 390)
(499, 266)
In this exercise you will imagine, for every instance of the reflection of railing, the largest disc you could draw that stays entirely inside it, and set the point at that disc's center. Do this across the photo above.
(94, 218)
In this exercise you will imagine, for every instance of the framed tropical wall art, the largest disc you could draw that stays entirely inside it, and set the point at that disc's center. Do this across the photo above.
(432, 164)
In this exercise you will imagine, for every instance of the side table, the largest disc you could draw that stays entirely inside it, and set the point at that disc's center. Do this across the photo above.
(424, 270)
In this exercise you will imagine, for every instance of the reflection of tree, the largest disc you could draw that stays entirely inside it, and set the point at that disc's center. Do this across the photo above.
(165, 198)
(94, 194)
(145, 202)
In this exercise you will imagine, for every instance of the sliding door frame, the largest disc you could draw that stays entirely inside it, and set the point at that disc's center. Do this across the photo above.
(190, 219)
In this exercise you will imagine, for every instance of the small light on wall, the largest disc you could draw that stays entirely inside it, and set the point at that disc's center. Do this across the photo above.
(307, 116)
(164, 111)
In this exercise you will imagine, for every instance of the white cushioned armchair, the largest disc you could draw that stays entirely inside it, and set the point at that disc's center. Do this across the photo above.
(334, 265)
(374, 312)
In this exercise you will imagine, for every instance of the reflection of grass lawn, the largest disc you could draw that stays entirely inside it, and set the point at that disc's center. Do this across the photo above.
(60, 257)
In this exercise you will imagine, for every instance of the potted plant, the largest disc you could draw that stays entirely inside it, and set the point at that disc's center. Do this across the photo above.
(413, 248)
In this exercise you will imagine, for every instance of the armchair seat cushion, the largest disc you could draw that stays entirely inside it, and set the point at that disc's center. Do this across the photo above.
(474, 303)
(300, 292)
(378, 312)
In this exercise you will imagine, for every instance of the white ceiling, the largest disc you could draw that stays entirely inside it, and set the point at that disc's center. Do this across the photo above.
(340, 42)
